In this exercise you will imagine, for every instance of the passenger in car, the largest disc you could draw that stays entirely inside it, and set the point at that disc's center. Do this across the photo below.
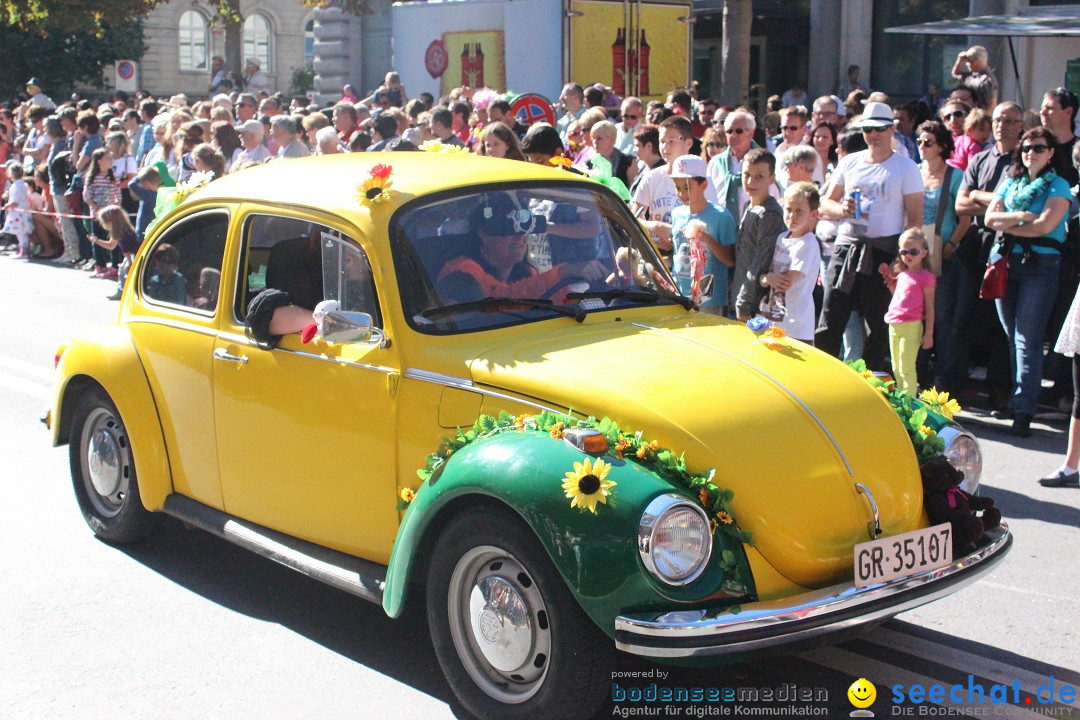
(497, 266)
(167, 284)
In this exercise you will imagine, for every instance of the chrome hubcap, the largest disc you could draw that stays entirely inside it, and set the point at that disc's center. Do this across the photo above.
(499, 624)
(106, 461)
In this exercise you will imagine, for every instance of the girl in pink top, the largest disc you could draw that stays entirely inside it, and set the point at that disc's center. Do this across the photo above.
(971, 143)
(911, 313)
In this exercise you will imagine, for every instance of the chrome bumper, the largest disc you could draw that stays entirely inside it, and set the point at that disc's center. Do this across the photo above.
(765, 625)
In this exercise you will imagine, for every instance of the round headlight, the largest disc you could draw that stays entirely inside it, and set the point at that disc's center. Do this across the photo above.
(963, 453)
(674, 539)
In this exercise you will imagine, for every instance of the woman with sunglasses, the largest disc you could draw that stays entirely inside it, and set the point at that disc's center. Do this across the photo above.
(1030, 209)
(941, 183)
(713, 142)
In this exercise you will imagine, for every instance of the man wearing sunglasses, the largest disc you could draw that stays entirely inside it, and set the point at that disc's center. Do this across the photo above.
(981, 178)
(875, 195)
(976, 76)
(725, 168)
(632, 112)
(793, 130)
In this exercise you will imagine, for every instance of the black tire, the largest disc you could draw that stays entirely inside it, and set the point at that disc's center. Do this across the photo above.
(103, 472)
(555, 662)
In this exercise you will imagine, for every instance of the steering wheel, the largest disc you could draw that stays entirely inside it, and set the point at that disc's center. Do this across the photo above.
(567, 281)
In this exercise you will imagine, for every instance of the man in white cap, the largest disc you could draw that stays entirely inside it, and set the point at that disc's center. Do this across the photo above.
(876, 194)
(251, 137)
(255, 80)
(37, 97)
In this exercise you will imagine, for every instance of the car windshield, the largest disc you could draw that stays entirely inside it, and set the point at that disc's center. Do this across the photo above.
(502, 256)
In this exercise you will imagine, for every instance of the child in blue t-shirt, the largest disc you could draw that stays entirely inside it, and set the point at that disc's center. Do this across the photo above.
(700, 228)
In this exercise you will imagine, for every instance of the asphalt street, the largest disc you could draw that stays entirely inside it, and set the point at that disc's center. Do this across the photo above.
(189, 626)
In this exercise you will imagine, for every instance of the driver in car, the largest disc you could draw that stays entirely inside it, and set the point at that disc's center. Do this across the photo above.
(498, 265)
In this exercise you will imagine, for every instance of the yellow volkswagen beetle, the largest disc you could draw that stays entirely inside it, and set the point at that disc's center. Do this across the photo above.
(471, 383)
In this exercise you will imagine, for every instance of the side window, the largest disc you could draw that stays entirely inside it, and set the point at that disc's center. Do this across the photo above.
(184, 267)
(309, 261)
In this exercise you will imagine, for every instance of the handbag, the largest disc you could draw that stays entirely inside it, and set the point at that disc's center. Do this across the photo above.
(996, 276)
(932, 233)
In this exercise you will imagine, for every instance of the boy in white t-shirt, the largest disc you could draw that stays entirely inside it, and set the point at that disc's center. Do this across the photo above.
(796, 263)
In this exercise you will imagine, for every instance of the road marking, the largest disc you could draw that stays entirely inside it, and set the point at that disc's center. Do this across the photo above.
(27, 387)
(1026, 591)
(885, 676)
(21, 366)
(978, 665)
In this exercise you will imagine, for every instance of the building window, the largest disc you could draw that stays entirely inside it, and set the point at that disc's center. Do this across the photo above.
(194, 41)
(905, 65)
(309, 44)
(257, 40)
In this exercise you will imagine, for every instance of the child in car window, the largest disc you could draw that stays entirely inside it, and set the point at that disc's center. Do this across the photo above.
(166, 283)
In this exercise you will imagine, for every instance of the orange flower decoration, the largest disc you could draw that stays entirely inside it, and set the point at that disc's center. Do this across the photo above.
(774, 332)
(557, 431)
(703, 496)
(407, 495)
(724, 517)
(561, 161)
(645, 447)
(621, 447)
(713, 525)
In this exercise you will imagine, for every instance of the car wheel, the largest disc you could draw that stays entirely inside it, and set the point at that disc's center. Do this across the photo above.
(103, 472)
(512, 640)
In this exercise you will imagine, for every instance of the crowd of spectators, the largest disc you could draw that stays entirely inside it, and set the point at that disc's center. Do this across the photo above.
(964, 169)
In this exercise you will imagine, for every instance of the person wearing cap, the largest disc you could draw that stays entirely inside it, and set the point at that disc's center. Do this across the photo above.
(251, 137)
(697, 218)
(37, 96)
(656, 191)
(890, 200)
(498, 264)
(255, 80)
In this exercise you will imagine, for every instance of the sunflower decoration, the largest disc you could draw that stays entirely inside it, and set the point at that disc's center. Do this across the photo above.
(941, 402)
(560, 161)
(376, 188)
(926, 431)
(588, 485)
(438, 146)
(407, 494)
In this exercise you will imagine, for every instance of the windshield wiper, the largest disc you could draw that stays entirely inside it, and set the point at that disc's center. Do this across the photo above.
(493, 303)
(643, 295)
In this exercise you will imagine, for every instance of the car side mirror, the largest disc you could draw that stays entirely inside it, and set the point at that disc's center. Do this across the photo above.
(341, 326)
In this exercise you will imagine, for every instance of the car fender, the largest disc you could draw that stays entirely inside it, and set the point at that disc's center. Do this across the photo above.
(106, 357)
(596, 554)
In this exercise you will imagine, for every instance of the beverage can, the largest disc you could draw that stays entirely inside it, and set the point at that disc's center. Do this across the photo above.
(856, 195)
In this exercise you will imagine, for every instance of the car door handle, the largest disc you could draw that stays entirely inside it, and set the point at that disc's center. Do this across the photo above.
(223, 354)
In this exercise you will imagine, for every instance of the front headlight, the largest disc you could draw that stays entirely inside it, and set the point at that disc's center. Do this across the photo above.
(963, 453)
(674, 539)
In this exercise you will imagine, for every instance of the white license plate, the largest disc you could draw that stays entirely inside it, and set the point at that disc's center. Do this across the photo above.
(897, 556)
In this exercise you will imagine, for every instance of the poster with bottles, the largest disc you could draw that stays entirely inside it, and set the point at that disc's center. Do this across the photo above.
(635, 49)
(476, 58)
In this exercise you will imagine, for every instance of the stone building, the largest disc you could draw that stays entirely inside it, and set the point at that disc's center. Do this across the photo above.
(287, 37)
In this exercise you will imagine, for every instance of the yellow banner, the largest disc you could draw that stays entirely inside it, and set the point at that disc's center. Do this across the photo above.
(477, 59)
(649, 60)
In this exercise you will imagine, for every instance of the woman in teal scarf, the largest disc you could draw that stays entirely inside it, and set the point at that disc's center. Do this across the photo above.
(1030, 210)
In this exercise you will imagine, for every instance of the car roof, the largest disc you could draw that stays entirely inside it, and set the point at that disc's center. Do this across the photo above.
(331, 182)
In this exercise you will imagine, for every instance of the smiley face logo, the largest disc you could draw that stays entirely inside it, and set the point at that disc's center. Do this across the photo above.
(862, 693)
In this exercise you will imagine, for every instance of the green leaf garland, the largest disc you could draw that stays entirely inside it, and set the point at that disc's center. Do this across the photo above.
(623, 444)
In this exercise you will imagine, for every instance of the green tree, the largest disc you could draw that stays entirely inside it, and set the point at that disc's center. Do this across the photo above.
(61, 59)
